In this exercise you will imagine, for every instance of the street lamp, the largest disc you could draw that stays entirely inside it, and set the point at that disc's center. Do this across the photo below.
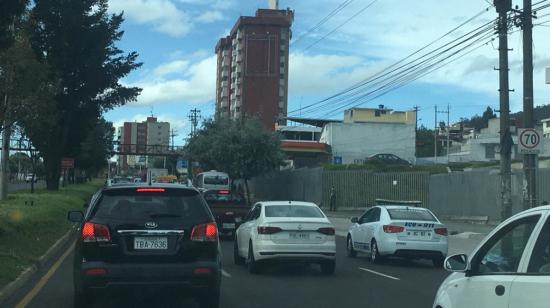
(548, 75)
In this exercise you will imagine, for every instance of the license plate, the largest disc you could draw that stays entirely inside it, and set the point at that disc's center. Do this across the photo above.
(150, 243)
(299, 236)
(228, 226)
(419, 234)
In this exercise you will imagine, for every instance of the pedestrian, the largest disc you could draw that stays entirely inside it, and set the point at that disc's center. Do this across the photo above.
(332, 199)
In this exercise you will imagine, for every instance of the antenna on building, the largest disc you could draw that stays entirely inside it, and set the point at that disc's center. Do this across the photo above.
(152, 111)
(273, 4)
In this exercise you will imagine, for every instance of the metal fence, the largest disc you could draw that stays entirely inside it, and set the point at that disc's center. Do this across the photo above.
(360, 188)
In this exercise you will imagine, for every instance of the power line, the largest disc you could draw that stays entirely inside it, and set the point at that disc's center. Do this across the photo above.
(323, 21)
(374, 77)
(341, 25)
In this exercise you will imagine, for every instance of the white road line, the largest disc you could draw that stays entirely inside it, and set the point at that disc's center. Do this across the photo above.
(379, 274)
(226, 274)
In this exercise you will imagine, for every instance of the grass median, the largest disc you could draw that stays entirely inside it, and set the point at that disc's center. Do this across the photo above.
(32, 223)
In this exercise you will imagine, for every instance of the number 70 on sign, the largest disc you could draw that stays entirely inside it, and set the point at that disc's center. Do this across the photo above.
(529, 141)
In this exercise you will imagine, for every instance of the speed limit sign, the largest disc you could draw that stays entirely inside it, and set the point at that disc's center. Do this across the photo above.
(529, 140)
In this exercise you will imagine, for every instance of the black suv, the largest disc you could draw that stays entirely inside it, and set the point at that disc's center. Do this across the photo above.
(161, 235)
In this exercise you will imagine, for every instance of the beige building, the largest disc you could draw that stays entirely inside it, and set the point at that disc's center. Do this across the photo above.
(379, 115)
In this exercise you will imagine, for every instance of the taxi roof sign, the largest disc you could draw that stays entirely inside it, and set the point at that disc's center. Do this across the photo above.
(398, 202)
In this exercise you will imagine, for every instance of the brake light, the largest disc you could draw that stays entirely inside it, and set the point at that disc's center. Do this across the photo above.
(202, 271)
(205, 233)
(441, 231)
(150, 189)
(393, 229)
(224, 192)
(326, 230)
(96, 271)
(92, 232)
(269, 230)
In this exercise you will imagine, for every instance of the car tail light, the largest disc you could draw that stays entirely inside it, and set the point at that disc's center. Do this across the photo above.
(92, 232)
(393, 229)
(202, 271)
(327, 231)
(96, 271)
(205, 233)
(441, 231)
(269, 230)
(150, 189)
(223, 192)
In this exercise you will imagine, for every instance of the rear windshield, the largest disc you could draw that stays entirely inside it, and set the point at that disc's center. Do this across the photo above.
(130, 204)
(293, 211)
(216, 180)
(411, 214)
(215, 196)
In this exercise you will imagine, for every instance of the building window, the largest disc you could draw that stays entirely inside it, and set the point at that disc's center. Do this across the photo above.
(489, 151)
(282, 76)
(377, 113)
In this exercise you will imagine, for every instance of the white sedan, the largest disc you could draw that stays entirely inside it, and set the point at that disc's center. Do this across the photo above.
(285, 231)
(509, 268)
(400, 231)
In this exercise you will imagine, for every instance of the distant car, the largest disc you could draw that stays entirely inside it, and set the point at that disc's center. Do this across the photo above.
(228, 209)
(398, 231)
(29, 177)
(510, 268)
(159, 235)
(119, 180)
(286, 231)
(388, 159)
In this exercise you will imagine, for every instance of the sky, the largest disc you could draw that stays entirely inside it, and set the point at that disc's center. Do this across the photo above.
(175, 40)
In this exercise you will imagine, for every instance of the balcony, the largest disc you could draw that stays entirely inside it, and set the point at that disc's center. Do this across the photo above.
(224, 103)
(238, 69)
(239, 35)
(224, 84)
(224, 92)
(225, 73)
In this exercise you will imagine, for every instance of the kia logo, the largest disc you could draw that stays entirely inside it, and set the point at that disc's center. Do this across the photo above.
(151, 225)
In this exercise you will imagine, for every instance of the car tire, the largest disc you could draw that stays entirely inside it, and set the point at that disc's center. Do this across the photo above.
(82, 300)
(328, 267)
(210, 300)
(236, 257)
(438, 262)
(374, 256)
(252, 264)
(349, 247)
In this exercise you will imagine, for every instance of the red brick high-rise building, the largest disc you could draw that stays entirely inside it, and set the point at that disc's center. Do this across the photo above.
(252, 73)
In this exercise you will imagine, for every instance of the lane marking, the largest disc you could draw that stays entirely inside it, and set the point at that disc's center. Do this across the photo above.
(226, 274)
(42, 282)
(379, 274)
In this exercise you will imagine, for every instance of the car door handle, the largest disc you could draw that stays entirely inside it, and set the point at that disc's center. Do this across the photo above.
(499, 290)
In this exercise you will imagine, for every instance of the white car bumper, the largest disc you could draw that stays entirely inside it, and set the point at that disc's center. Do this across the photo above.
(412, 249)
(267, 249)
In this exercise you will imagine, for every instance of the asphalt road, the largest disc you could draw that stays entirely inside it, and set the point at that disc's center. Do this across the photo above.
(356, 283)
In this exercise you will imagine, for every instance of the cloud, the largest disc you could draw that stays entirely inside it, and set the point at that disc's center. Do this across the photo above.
(188, 83)
(164, 15)
(210, 17)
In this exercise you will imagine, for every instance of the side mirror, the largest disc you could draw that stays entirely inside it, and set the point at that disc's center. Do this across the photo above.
(354, 219)
(75, 216)
(457, 263)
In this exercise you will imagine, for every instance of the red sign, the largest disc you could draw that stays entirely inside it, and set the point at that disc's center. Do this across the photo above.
(67, 163)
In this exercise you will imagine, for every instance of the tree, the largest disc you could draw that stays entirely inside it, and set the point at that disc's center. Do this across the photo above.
(479, 122)
(76, 39)
(96, 148)
(9, 11)
(425, 142)
(241, 148)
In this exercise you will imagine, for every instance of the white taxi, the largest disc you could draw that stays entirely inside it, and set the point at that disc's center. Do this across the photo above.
(399, 231)
(510, 267)
(289, 231)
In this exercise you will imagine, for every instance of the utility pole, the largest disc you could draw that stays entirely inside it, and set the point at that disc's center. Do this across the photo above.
(435, 136)
(416, 109)
(172, 135)
(503, 7)
(529, 160)
(194, 116)
(448, 127)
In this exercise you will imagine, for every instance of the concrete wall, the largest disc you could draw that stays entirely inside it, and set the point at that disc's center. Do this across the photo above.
(357, 141)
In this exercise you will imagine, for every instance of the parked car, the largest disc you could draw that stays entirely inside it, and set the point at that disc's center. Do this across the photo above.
(398, 231)
(228, 209)
(139, 236)
(509, 268)
(286, 231)
(389, 159)
(29, 178)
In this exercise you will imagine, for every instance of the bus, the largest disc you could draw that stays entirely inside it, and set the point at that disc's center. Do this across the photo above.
(212, 180)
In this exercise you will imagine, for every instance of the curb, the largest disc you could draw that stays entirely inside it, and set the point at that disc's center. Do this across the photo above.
(7, 291)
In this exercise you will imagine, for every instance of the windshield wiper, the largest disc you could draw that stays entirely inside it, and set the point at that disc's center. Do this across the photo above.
(161, 215)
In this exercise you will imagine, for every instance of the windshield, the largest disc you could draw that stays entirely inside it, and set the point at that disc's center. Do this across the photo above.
(410, 214)
(293, 211)
(338, 152)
